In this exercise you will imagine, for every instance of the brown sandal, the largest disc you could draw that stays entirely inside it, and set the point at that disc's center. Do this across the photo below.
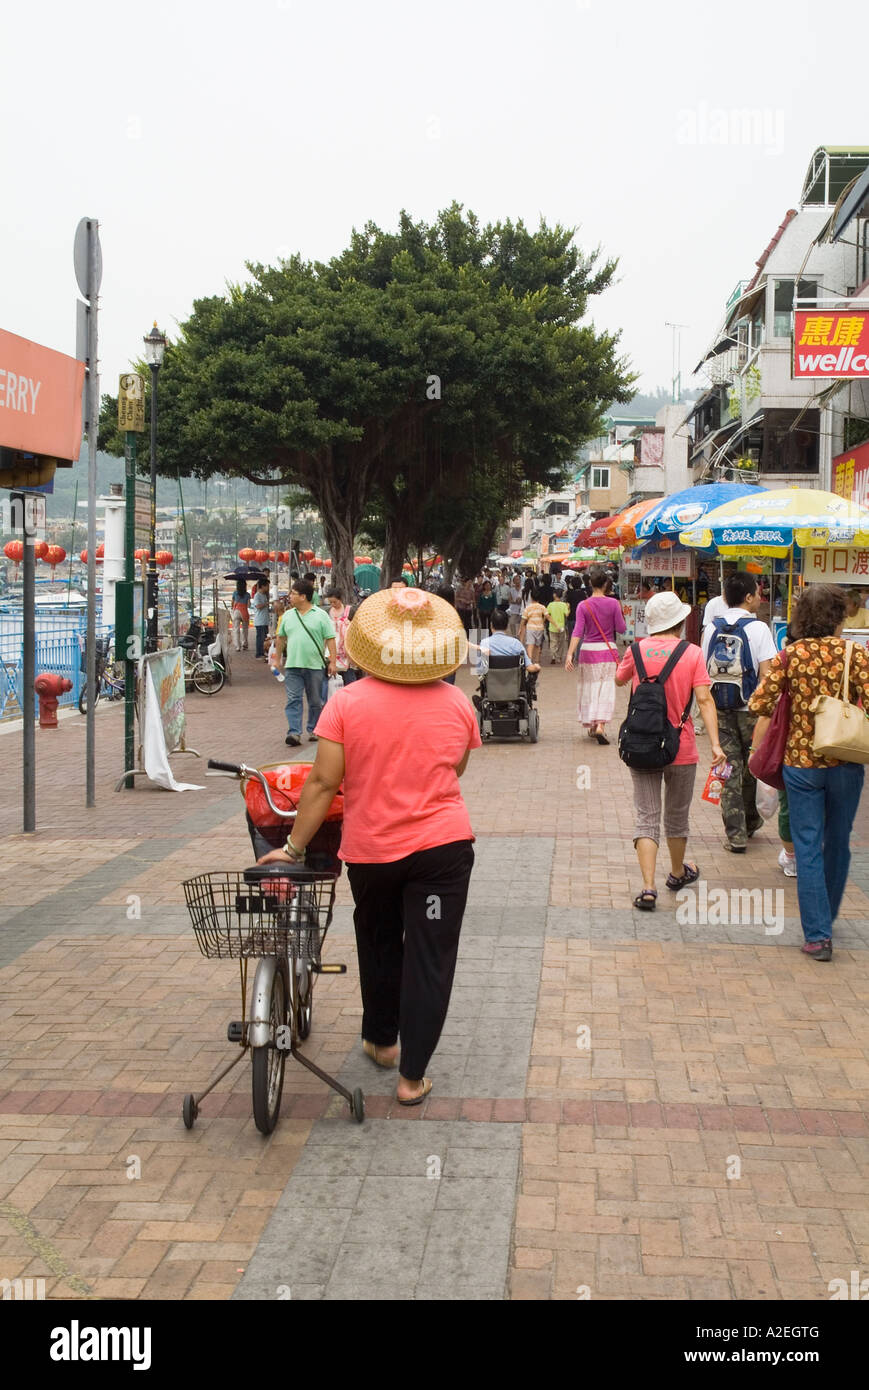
(418, 1100)
(371, 1050)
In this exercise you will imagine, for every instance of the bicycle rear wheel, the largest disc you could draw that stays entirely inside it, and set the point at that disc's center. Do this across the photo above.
(208, 679)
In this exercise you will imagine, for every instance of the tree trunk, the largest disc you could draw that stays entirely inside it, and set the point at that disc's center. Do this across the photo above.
(394, 552)
(339, 532)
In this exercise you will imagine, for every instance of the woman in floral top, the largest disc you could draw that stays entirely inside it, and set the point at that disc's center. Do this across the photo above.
(823, 794)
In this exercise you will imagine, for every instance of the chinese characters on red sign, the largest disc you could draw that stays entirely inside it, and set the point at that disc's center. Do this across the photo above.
(851, 475)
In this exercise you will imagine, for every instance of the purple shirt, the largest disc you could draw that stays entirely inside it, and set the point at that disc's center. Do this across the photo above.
(597, 639)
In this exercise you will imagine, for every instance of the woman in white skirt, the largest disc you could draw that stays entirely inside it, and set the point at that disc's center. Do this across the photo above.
(598, 619)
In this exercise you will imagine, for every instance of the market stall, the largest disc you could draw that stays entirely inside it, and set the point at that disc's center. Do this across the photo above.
(803, 535)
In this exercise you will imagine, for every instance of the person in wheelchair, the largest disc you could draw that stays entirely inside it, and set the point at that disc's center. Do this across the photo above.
(498, 645)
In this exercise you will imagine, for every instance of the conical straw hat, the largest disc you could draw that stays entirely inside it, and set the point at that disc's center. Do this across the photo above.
(406, 636)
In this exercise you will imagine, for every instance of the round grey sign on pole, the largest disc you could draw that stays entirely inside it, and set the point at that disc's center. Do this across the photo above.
(80, 257)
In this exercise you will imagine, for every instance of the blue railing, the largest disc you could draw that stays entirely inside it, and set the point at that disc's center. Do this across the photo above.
(59, 649)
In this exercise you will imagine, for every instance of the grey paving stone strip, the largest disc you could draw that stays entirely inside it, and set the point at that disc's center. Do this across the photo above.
(392, 1210)
(608, 925)
(402, 1210)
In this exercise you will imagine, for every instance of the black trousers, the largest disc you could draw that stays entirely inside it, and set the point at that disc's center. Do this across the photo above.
(408, 919)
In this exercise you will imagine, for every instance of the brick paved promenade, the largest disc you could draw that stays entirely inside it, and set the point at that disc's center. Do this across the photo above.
(625, 1105)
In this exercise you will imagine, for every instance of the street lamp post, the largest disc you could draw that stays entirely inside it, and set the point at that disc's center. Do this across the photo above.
(155, 346)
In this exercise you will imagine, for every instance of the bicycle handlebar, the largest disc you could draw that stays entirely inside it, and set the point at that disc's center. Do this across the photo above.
(241, 771)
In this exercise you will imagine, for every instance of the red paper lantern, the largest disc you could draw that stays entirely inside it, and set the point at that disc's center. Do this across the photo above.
(246, 554)
(327, 564)
(14, 551)
(163, 558)
(54, 556)
(366, 560)
(273, 555)
(260, 556)
(358, 560)
(40, 550)
(283, 557)
(140, 555)
(316, 563)
(306, 555)
(98, 557)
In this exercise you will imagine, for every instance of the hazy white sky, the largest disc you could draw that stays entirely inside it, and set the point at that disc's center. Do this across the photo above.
(206, 134)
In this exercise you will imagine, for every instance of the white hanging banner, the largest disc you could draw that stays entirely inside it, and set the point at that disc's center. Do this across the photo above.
(163, 720)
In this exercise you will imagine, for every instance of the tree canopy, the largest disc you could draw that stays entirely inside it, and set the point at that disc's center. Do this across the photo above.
(429, 377)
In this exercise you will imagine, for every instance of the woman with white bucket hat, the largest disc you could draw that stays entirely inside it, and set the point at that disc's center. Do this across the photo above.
(665, 619)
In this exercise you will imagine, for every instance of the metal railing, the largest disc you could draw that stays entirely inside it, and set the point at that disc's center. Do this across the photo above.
(59, 648)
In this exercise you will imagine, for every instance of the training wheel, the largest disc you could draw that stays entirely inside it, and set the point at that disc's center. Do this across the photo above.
(189, 1110)
(357, 1106)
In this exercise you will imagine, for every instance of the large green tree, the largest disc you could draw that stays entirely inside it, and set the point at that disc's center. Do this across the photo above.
(436, 367)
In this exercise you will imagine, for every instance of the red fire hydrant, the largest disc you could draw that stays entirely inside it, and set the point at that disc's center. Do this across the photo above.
(49, 687)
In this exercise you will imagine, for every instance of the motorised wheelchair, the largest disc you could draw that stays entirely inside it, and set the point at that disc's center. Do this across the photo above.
(505, 701)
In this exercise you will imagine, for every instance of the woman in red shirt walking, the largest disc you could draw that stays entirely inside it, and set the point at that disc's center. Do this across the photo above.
(399, 741)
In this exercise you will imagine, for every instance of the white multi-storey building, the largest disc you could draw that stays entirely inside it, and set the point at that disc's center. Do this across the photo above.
(755, 420)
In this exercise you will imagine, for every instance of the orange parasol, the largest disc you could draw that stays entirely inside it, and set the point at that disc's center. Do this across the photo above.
(621, 528)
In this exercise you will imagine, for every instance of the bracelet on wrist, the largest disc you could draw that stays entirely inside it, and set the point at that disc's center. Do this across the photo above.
(292, 851)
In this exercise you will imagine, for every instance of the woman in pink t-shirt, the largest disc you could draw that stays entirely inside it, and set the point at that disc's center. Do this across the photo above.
(665, 619)
(598, 620)
(399, 740)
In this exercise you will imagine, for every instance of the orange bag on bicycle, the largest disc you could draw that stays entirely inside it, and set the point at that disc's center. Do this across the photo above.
(286, 781)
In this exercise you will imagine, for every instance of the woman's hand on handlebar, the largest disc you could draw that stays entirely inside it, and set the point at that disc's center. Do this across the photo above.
(276, 856)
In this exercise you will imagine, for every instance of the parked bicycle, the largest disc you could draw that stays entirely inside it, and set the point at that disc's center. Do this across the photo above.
(201, 653)
(279, 913)
(110, 682)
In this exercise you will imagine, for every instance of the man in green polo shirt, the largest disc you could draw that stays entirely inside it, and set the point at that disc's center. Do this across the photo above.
(305, 642)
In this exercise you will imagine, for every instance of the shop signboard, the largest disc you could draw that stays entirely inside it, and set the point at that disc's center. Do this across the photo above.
(837, 564)
(40, 399)
(680, 563)
(831, 344)
(850, 473)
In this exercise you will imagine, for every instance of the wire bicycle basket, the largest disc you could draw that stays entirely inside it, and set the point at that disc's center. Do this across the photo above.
(236, 920)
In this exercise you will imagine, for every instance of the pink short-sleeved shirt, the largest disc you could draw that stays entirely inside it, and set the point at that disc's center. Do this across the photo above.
(402, 744)
(689, 672)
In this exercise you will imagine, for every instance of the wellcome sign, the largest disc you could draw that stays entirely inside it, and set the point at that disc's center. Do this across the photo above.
(834, 344)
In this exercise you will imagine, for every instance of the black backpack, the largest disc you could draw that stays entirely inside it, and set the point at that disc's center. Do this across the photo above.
(647, 739)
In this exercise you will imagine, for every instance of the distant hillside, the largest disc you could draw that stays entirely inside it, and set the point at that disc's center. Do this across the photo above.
(111, 470)
(645, 405)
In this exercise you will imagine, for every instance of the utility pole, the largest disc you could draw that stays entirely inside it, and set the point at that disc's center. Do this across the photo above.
(28, 667)
(88, 261)
(676, 383)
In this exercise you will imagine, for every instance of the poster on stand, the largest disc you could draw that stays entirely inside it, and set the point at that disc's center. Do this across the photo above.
(161, 676)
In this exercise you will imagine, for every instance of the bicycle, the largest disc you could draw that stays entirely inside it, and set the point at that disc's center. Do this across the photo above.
(202, 664)
(110, 682)
(279, 913)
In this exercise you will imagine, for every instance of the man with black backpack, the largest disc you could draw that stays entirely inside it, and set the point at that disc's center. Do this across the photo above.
(738, 649)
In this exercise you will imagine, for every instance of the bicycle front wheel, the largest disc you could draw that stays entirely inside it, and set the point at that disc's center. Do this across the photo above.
(269, 1062)
(208, 679)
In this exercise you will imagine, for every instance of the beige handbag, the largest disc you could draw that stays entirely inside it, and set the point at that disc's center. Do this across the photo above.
(841, 729)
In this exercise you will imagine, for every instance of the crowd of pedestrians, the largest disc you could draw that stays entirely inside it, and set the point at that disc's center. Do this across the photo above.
(418, 849)
(731, 682)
